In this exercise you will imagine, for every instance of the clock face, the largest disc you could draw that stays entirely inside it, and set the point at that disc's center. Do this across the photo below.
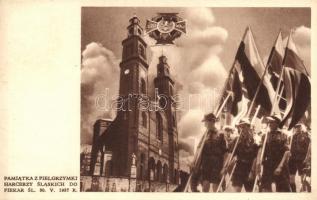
(127, 71)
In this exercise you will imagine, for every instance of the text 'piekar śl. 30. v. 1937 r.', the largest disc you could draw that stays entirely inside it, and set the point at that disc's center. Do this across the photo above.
(169, 116)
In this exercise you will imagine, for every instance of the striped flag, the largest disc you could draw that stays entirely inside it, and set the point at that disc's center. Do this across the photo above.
(236, 89)
(275, 60)
(274, 63)
(297, 85)
(250, 64)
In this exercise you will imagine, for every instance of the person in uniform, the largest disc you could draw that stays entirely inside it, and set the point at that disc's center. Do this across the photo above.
(229, 133)
(245, 153)
(276, 154)
(214, 154)
(306, 184)
(299, 148)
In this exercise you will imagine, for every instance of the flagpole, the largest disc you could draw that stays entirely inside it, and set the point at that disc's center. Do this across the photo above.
(263, 75)
(224, 87)
(230, 72)
(282, 73)
(272, 110)
(228, 161)
(255, 114)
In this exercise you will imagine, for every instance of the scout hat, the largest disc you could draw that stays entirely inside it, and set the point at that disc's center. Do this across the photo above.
(209, 117)
(299, 124)
(228, 128)
(244, 121)
(275, 117)
(303, 127)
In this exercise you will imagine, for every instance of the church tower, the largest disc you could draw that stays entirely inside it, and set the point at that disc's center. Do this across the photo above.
(166, 87)
(133, 86)
(134, 64)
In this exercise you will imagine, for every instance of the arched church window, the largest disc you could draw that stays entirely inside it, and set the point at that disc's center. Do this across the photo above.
(159, 126)
(174, 121)
(130, 32)
(167, 71)
(141, 51)
(143, 86)
(144, 119)
(142, 164)
(171, 90)
(159, 171)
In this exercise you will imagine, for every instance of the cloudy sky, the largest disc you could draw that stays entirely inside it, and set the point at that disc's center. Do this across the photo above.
(199, 60)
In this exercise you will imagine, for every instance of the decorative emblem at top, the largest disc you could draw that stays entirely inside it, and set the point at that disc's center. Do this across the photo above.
(165, 27)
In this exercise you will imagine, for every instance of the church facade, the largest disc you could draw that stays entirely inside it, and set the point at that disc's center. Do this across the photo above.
(142, 141)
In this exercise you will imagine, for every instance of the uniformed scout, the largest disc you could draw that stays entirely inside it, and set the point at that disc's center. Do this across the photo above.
(230, 135)
(306, 184)
(213, 155)
(299, 149)
(245, 153)
(276, 154)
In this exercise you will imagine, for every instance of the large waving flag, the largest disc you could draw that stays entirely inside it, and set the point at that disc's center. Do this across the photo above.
(297, 85)
(253, 73)
(274, 63)
(275, 60)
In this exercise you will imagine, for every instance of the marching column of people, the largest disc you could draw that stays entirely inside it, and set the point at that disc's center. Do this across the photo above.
(240, 156)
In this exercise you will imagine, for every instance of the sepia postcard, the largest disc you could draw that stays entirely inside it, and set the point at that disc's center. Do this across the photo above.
(157, 100)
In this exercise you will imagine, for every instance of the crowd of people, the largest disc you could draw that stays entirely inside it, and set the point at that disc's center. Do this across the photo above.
(239, 157)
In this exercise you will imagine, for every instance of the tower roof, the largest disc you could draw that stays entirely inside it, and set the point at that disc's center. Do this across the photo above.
(134, 20)
(163, 59)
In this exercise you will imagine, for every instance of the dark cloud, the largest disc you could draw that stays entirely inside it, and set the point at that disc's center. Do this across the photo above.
(187, 147)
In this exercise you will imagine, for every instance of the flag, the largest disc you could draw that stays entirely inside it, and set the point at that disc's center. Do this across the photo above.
(236, 89)
(275, 60)
(274, 64)
(250, 64)
(297, 85)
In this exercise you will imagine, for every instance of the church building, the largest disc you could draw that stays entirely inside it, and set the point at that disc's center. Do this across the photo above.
(144, 132)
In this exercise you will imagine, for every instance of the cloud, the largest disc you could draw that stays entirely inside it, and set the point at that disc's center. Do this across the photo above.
(199, 17)
(302, 39)
(185, 160)
(190, 124)
(99, 78)
(210, 73)
(302, 36)
(209, 36)
(185, 145)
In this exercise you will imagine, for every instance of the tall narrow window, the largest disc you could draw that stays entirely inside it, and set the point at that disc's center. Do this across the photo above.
(141, 51)
(174, 121)
(159, 126)
(142, 166)
(144, 119)
(143, 86)
(171, 91)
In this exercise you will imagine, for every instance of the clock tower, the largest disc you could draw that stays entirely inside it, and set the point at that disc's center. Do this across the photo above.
(133, 86)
